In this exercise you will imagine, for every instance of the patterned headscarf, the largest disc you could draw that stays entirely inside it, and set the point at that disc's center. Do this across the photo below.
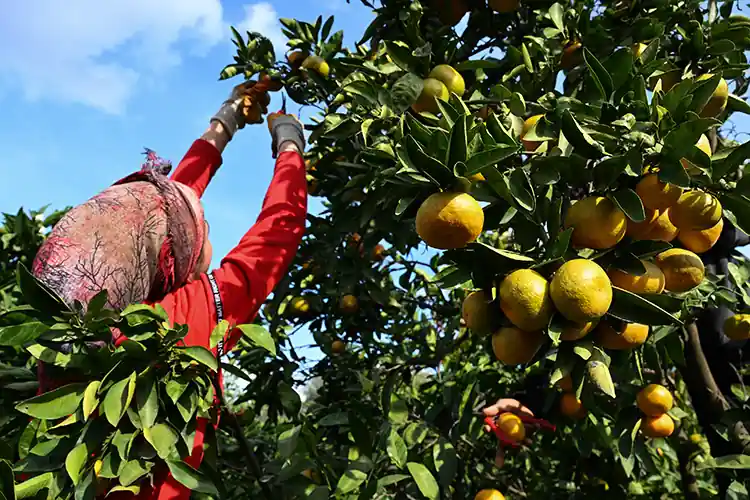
(139, 240)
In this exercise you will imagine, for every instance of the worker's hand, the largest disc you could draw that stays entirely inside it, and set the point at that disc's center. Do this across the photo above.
(245, 104)
(285, 128)
(503, 406)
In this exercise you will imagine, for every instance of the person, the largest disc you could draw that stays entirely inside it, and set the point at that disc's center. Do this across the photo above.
(506, 405)
(145, 239)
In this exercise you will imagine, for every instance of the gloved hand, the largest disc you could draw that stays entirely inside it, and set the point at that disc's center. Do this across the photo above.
(285, 128)
(244, 105)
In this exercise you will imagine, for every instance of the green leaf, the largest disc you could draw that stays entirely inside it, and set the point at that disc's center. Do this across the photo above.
(90, 399)
(736, 104)
(401, 55)
(75, 461)
(259, 336)
(201, 355)
(162, 437)
(30, 487)
(556, 14)
(560, 246)
(54, 404)
(599, 374)
(397, 449)
(737, 210)
(446, 461)
(391, 479)
(350, 481)
(726, 462)
(288, 441)
(218, 333)
(147, 400)
(118, 399)
(599, 74)
(630, 203)
(133, 470)
(731, 162)
(6, 481)
(608, 170)
(633, 308)
(18, 335)
(191, 478)
(338, 418)
(424, 479)
(579, 139)
(37, 294)
(521, 189)
(489, 157)
(406, 91)
(458, 144)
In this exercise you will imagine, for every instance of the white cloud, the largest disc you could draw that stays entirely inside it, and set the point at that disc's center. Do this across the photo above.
(262, 18)
(93, 52)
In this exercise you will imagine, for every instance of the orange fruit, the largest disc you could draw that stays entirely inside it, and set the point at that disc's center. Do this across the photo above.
(581, 291)
(621, 337)
(737, 327)
(451, 78)
(504, 6)
(378, 253)
(718, 102)
(566, 383)
(512, 426)
(655, 194)
(656, 227)
(572, 56)
(658, 426)
(317, 64)
(701, 241)
(450, 12)
(489, 495)
(529, 124)
(449, 220)
(475, 312)
(296, 58)
(432, 91)
(299, 306)
(652, 281)
(514, 347)
(348, 304)
(695, 210)
(683, 270)
(704, 145)
(597, 223)
(338, 346)
(576, 331)
(272, 84)
(654, 399)
(525, 300)
(571, 406)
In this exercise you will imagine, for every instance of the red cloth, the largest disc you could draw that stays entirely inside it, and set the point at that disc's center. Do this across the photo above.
(246, 277)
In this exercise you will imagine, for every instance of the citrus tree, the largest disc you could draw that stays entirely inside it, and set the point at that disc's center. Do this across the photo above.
(570, 168)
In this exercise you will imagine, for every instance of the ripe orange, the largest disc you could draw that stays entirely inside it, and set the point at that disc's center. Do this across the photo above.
(652, 281)
(701, 241)
(272, 84)
(654, 399)
(581, 291)
(597, 223)
(704, 145)
(449, 220)
(512, 426)
(524, 298)
(571, 406)
(451, 78)
(317, 64)
(576, 331)
(475, 312)
(572, 56)
(514, 347)
(737, 327)
(658, 426)
(378, 253)
(296, 58)
(338, 346)
(489, 495)
(348, 304)
(655, 194)
(299, 306)
(620, 336)
(718, 102)
(683, 270)
(450, 12)
(695, 210)
(504, 6)
(530, 122)
(566, 383)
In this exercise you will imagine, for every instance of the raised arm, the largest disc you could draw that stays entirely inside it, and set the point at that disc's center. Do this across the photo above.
(250, 272)
(203, 159)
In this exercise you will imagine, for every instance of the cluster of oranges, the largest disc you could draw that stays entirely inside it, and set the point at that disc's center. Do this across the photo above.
(655, 401)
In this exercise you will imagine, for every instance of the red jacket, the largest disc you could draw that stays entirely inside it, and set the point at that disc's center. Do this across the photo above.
(246, 277)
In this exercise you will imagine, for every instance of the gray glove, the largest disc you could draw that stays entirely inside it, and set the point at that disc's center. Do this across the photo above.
(286, 128)
(230, 113)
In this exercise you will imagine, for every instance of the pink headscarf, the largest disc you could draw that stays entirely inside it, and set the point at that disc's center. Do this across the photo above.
(139, 240)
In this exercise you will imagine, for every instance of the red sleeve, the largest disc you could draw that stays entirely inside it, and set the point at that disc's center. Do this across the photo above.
(198, 166)
(255, 266)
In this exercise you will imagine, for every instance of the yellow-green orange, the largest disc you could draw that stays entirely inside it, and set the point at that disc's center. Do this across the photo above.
(513, 346)
(651, 281)
(695, 210)
(658, 426)
(621, 336)
(581, 291)
(597, 223)
(512, 426)
(427, 100)
(449, 220)
(524, 298)
(451, 78)
(737, 327)
(317, 64)
(299, 306)
(683, 270)
(701, 241)
(349, 304)
(655, 194)
(475, 312)
(718, 101)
